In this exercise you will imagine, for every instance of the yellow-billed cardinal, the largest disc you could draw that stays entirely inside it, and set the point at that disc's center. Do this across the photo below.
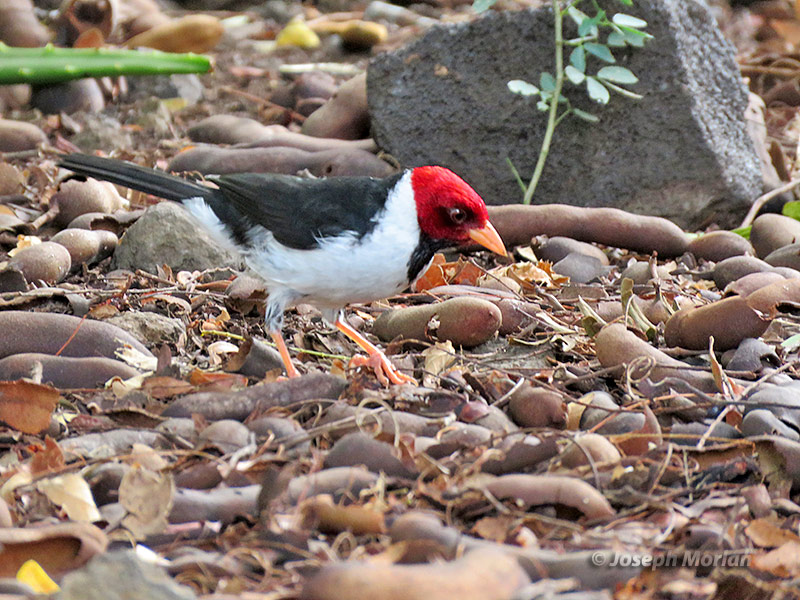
(326, 242)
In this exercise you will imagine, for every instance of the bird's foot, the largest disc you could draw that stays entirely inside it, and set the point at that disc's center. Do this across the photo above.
(291, 372)
(385, 371)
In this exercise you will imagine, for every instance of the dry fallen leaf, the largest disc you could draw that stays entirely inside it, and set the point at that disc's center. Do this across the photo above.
(781, 562)
(147, 496)
(72, 494)
(24, 241)
(218, 350)
(27, 406)
(768, 534)
(434, 276)
(48, 458)
(438, 357)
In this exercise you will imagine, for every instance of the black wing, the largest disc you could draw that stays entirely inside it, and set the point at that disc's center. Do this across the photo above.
(301, 211)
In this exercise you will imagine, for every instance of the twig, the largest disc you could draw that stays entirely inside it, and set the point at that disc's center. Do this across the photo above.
(764, 198)
(296, 116)
(707, 433)
(502, 400)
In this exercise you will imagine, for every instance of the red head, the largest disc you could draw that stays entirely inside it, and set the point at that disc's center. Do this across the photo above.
(449, 209)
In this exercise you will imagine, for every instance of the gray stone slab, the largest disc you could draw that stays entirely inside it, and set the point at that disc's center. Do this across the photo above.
(682, 152)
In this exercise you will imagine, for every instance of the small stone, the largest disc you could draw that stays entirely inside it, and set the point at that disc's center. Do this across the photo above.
(580, 268)
(149, 327)
(167, 234)
(186, 86)
(132, 579)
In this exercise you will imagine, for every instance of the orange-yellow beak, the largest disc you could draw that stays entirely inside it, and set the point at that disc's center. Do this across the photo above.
(488, 237)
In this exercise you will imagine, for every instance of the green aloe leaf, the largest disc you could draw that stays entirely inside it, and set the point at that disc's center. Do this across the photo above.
(55, 65)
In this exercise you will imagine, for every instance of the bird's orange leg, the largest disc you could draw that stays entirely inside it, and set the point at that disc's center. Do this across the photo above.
(384, 368)
(284, 351)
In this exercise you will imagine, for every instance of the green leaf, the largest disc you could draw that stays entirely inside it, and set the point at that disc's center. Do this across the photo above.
(578, 59)
(574, 75)
(626, 2)
(628, 21)
(616, 40)
(543, 106)
(633, 40)
(597, 91)
(791, 209)
(547, 82)
(586, 116)
(601, 51)
(588, 28)
(634, 37)
(743, 231)
(791, 343)
(480, 6)
(577, 15)
(617, 75)
(523, 88)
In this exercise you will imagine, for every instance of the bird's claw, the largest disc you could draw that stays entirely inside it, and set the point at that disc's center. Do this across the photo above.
(384, 370)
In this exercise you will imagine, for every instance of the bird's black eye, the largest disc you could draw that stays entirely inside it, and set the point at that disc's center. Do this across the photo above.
(457, 215)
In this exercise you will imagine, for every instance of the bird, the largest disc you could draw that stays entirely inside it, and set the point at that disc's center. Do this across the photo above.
(327, 242)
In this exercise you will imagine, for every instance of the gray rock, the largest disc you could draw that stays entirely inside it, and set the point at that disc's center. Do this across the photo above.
(682, 152)
(69, 97)
(166, 233)
(100, 130)
(580, 268)
(118, 575)
(149, 327)
(753, 355)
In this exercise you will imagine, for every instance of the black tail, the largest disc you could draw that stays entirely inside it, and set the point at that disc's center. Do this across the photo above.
(150, 181)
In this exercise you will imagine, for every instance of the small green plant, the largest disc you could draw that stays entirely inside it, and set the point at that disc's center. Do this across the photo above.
(54, 65)
(597, 35)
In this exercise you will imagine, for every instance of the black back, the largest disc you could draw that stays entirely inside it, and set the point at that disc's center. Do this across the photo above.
(301, 211)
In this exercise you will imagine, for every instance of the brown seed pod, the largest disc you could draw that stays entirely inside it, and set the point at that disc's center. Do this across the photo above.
(48, 262)
(76, 197)
(464, 321)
